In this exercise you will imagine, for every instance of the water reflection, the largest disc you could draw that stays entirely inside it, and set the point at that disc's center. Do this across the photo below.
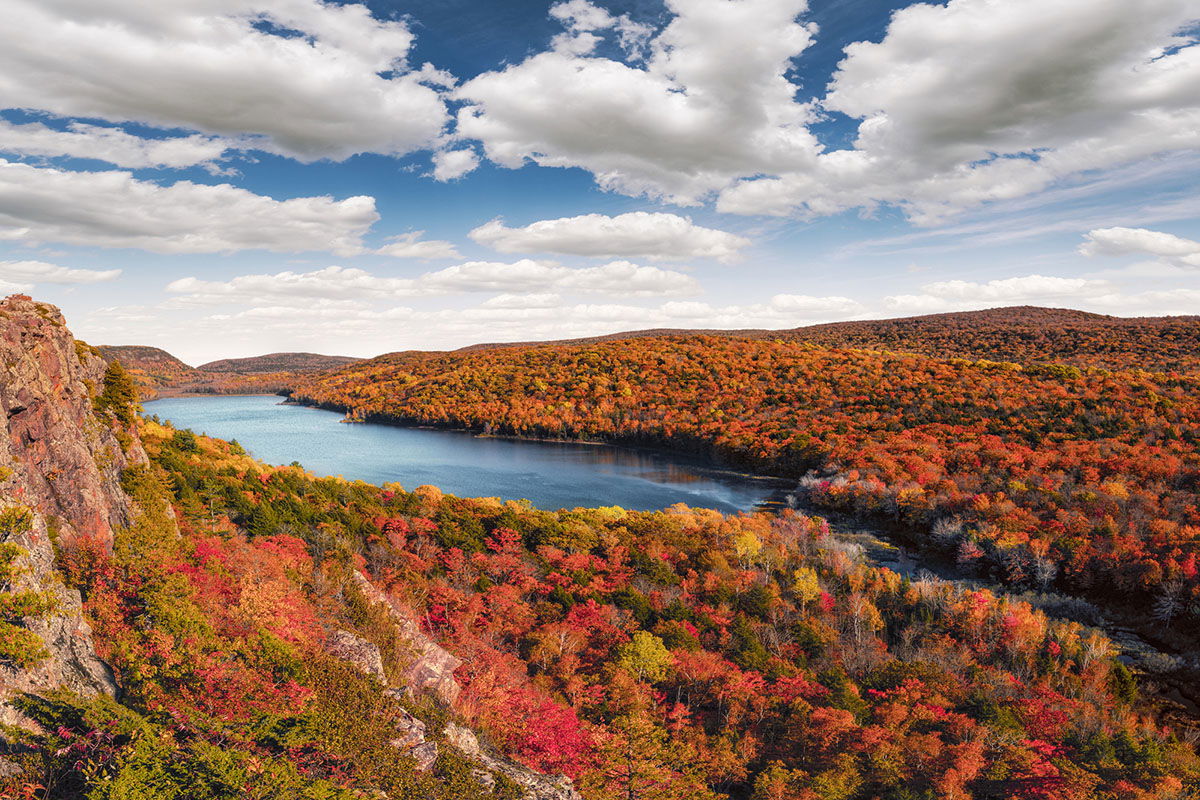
(548, 474)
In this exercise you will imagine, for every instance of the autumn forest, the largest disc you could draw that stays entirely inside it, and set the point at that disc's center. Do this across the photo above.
(278, 634)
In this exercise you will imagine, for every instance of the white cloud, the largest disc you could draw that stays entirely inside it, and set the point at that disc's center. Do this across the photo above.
(960, 104)
(113, 145)
(978, 100)
(1154, 302)
(962, 295)
(710, 104)
(338, 283)
(113, 209)
(21, 276)
(616, 277)
(523, 301)
(449, 165)
(582, 19)
(226, 67)
(410, 245)
(1127, 241)
(639, 233)
(330, 283)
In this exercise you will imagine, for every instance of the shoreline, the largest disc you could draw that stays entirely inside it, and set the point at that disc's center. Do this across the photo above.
(1175, 694)
(704, 461)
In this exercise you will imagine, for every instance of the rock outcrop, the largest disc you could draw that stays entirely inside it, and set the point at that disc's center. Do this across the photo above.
(534, 785)
(431, 668)
(62, 462)
(58, 457)
(357, 652)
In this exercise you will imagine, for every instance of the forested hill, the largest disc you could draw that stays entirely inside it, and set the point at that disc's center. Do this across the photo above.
(1021, 334)
(150, 366)
(277, 362)
(1038, 475)
(157, 372)
(179, 621)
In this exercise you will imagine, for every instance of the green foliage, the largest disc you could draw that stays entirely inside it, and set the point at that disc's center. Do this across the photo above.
(184, 441)
(101, 750)
(645, 656)
(119, 397)
(19, 646)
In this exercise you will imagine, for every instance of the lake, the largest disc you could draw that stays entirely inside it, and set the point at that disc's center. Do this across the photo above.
(551, 475)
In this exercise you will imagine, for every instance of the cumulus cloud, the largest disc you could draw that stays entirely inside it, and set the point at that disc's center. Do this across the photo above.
(1128, 241)
(410, 245)
(449, 165)
(711, 102)
(302, 78)
(114, 209)
(636, 234)
(338, 283)
(21, 276)
(113, 145)
(959, 104)
(961, 295)
(977, 100)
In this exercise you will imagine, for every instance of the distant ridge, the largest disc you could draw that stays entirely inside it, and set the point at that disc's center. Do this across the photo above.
(277, 362)
(157, 372)
(1015, 333)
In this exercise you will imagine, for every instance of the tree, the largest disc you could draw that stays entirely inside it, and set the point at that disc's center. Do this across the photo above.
(645, 656)
(119, 396)
(640, 762)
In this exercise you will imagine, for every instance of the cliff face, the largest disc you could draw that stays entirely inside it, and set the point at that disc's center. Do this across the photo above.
(61, 459)
(62, 462)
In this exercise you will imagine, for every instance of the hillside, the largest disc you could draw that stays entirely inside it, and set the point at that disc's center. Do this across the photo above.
(150, 649)
(271, 634)
(1021, 334)
(157, 372)
(150, 366)
(1038, 476)
(277, 362)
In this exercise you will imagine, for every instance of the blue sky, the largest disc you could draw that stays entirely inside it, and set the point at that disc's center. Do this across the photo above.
(227, 177)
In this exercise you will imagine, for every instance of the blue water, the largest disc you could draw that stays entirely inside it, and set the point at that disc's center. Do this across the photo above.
(550, 475)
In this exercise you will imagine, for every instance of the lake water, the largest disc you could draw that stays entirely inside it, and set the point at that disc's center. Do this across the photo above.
(548, 474)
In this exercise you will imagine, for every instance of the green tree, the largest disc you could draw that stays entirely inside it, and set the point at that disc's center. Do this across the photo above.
(119, 397)
(645, 656)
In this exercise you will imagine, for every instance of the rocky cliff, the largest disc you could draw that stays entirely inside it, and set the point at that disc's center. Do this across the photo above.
(61, 456)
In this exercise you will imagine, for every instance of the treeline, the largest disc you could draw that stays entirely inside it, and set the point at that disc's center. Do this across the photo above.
(1037, 475)
(678, 654)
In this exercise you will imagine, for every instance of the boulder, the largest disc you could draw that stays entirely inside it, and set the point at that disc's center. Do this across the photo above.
(357, 652)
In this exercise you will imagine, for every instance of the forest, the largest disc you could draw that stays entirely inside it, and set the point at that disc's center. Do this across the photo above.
(1018, 333)
(1038, 475)
(674, 654)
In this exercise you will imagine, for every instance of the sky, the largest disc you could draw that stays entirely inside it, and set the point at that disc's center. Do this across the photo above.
(225, 178)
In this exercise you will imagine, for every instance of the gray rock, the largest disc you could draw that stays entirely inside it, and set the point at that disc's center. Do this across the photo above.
(534, 785)
(425, 754)
(412, 731)
(357, 652)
